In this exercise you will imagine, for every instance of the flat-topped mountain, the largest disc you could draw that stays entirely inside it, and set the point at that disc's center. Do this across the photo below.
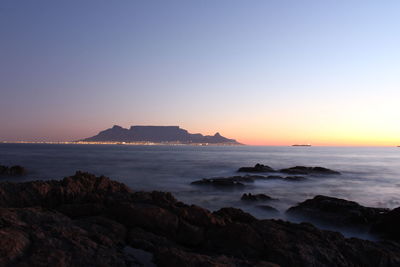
(158, 134)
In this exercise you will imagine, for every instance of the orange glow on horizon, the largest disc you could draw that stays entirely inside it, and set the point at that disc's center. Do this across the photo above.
(329, 137)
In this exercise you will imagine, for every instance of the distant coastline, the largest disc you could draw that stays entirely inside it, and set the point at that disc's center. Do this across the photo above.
(164, 135)
(145, 135)
(120, 143)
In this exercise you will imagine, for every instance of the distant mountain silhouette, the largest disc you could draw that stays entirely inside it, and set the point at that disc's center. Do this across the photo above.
(158, 134)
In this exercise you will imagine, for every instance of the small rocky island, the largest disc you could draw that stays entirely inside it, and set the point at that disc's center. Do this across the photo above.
(297, 173)
(15, 170)
(157, 134)
(84, 220)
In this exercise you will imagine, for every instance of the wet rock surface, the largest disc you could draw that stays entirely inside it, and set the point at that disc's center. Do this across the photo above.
(236, 181)
(255, 197)
(257, 168)
(239, 181)
(296, 174)
(337, 212)
(85, 220)
(388, 225)
(302, 170)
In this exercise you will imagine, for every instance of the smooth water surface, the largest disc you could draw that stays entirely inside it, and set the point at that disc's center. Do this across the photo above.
(370, 175)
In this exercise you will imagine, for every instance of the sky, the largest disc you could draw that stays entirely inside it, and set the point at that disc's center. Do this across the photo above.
(263, 72)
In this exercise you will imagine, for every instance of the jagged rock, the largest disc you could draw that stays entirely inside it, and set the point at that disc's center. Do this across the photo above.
(388, 224)
(233, 214)
(80, 188)
(308, 170)
(255, 197)
(240, 180)
(257, 168)
(41, 237)
(336, 212)
(220, 182)
(113, 226)
(228, 181)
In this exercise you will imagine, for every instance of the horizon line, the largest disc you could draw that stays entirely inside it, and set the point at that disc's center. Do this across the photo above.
(177, 143)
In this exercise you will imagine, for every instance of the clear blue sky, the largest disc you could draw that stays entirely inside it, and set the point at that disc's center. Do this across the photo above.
(264, 72)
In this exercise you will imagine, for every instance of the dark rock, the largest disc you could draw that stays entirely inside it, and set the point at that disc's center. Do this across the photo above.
(268, 208)
(388, 225)
(220, 182)
(240, 180)
(113, 226)
(78, 189)
(12, 171)
(336, 212)
(295, 178)
(287, 178)
(308, 170)
(255, 197)
(232, 214)
(16, 170)
(257, 168)
(272, 177)
(41, 237)
(229, 181)
(3, 170)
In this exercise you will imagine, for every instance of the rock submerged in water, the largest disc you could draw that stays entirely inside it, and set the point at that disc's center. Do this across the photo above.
(15, 170)
(236, 181)
(85, 220)
(223, 182)
(257, 168)
(268, 208)
(255, 197)
(295, 178)
(337, 212)
(388, 225)
(302, 170)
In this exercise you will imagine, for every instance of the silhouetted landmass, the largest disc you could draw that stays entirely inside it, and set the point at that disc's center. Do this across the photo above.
(157, 134)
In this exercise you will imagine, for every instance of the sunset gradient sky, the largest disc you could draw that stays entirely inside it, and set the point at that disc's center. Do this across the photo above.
(262, 72)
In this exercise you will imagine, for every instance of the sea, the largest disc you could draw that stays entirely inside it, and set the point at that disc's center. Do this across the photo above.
(369, 175)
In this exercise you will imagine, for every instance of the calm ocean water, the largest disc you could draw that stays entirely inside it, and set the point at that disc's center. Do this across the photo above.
(370, 175)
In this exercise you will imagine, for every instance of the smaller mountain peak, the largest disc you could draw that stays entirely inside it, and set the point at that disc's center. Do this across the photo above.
(217, 134)
(116, 127)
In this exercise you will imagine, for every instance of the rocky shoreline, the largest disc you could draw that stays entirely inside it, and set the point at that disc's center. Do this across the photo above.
(85, 220)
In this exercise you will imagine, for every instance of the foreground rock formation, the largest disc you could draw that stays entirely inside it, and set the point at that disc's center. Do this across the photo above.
(337, 212)
(85, 220)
